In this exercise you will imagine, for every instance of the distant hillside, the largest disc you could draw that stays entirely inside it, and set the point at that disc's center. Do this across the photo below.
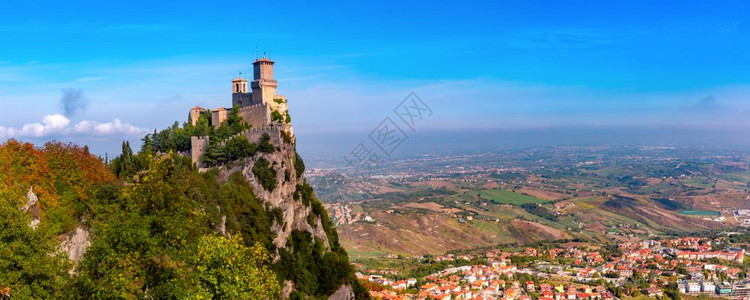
(438, 222)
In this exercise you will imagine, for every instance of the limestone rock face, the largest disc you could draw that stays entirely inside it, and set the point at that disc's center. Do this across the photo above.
(76, 244)
(32, 198)
(343, 293)
(294, 211)
(287, 289)
(32, 208)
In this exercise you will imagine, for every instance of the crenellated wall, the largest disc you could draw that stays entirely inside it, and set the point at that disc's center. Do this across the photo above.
(258, 115)
(253, 134)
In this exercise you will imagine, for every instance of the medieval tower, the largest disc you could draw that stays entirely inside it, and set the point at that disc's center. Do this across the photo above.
(240, 96)
(263, 84)
(260, 107)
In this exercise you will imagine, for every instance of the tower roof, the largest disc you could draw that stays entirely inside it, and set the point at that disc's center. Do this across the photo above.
(197, 108)
(263, 60)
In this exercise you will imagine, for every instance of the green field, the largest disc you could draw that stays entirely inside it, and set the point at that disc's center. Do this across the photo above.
(358, 255)
(697, 183)
(700, 213)
(508, 197)
(745, 177)
(492, 229)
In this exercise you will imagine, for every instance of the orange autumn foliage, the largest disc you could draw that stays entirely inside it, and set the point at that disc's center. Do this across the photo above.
(23, 165)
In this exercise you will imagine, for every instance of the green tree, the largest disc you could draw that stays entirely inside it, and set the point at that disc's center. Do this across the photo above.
(215, 154)
(30, 265)
(240, 147)
(235, 120)
(202, 126)
(141, 246)
(126, 165)
(226, 269)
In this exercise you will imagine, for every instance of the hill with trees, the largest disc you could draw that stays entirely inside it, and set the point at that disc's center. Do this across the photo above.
(158, 228)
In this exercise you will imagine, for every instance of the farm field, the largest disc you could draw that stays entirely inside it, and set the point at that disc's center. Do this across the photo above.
(509, 197)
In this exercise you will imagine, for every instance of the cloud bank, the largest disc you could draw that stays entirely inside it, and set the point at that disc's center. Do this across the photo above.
(58, 125)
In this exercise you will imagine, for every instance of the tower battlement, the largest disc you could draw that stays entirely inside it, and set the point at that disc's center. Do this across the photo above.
(252, 107)
(253, 134)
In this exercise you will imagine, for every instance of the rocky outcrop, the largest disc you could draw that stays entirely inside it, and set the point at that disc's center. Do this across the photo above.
(295, 213)
(343, 293)
(32, 208)
(76, 244)
(287, 289)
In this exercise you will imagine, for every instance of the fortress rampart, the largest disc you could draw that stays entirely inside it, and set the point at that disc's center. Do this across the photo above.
(258, 115)
(254, 134)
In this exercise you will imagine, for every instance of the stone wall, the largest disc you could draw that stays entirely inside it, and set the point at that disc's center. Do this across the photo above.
(258, 115)
(242, 99)
(253, 134)
(198, 146)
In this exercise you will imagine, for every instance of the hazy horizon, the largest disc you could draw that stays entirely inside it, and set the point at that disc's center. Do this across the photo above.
(485, 67)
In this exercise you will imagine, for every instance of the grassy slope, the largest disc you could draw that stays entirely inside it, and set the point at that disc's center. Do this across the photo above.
(508, 197)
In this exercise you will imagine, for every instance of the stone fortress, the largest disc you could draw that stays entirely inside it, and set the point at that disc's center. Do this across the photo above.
(260, 107)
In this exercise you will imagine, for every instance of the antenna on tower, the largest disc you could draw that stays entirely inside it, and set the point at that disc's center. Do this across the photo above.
(256, 52)
(264, 54)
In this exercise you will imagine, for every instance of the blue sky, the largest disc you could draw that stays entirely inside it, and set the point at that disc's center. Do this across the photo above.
(495, 65)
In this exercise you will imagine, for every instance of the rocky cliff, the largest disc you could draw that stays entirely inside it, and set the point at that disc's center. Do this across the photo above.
(295, 213)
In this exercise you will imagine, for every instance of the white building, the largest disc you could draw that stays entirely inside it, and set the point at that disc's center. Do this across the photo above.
(692, 287)
(708, 287)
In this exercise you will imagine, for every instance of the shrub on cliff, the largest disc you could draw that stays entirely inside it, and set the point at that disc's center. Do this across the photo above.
(265, 145)
(276, 116)
(240, 147)
(299, 165)
(265, 174)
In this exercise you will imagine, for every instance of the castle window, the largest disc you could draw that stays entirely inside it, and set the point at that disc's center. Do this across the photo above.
(236, 87)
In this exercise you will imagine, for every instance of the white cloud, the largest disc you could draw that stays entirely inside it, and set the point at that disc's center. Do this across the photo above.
(109, 128)
(59, 125)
